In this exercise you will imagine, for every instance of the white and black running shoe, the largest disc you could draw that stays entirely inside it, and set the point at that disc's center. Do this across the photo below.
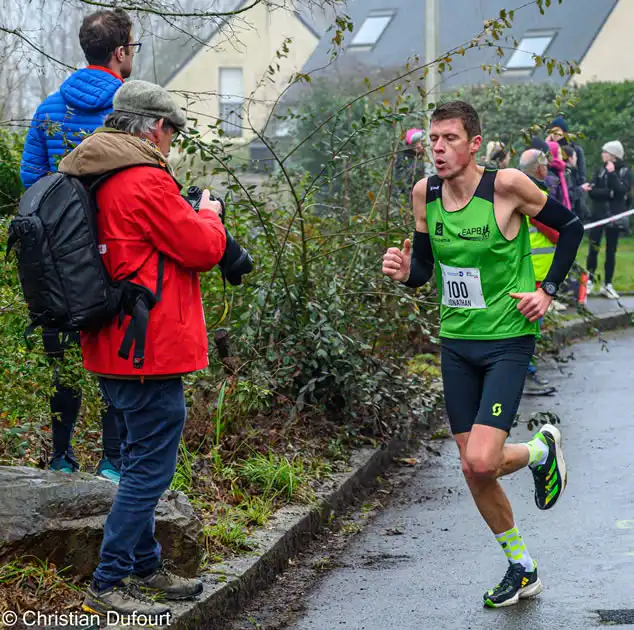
(550, 478)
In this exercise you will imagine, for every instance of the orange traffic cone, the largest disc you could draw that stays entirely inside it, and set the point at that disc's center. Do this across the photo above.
(583, 288)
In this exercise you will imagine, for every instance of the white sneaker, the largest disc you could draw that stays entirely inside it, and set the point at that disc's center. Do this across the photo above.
(607, 290)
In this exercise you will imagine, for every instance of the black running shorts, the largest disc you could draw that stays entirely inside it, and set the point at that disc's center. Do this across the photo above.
(483, 380)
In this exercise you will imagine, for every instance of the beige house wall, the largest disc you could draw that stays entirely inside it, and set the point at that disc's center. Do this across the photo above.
(252, 48)
(611, 55)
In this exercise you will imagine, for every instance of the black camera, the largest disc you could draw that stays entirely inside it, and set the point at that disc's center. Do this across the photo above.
(236, 261)
(194, 197)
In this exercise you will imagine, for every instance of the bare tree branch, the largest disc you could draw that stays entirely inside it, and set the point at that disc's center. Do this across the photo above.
(139, 8)
(18, 33)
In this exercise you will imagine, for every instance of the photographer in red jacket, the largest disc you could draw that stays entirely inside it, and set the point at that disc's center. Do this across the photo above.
(146, 227)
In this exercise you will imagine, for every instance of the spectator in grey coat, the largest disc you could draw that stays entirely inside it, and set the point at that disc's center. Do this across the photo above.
(610, 192)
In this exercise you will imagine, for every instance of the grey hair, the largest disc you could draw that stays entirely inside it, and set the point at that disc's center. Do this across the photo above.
(529, 161)
(133, 124)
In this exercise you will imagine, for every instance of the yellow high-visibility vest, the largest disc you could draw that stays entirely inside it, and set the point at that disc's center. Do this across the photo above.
(542, 251)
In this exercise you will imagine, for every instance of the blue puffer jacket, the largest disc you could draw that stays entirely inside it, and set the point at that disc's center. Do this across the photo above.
(65, 118)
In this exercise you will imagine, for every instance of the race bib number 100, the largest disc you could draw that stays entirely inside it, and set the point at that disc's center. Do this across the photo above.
(462, 287)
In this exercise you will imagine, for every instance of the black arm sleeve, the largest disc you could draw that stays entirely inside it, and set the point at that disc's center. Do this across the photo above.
(558, 217)
(422, 261)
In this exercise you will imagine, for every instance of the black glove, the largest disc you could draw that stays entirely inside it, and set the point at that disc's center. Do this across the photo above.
(235, 262)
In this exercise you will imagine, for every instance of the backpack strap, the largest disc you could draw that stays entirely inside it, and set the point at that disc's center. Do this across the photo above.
(136, 332)
(137, 302)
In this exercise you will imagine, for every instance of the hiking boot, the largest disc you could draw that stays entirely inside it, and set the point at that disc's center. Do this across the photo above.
(607, 290)
(108, 471)
(61, 464)
(126, 600)
(170, 585)
(516, 584)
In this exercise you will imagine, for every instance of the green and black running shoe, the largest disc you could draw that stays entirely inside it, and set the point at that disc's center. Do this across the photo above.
(517, 584)
(551, 477)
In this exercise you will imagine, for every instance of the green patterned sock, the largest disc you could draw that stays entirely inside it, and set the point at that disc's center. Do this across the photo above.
(515, 549)
(537, 450)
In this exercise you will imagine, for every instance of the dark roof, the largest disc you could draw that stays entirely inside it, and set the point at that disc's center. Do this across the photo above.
(185, 48)
(317, 22)
(576, 23)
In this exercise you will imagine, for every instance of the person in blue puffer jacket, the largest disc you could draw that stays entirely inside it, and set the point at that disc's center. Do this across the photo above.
(60, 123)
(84, 99)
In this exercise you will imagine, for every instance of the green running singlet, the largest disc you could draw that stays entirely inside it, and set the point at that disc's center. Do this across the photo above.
(477, 267)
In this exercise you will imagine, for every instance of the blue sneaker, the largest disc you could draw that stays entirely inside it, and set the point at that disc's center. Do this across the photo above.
(108, 471)
(61, 464)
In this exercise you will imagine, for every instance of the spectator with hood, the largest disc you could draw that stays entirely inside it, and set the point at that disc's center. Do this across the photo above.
(147, 228)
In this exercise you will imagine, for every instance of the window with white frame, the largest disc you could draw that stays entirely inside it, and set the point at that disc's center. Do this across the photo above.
(532, 45)
(231, 83)
(371, 30)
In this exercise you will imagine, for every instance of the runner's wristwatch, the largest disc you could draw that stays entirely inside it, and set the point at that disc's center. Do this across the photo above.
(550, 288)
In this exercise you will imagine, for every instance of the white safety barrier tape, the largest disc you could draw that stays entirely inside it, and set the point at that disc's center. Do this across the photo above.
(616, 217)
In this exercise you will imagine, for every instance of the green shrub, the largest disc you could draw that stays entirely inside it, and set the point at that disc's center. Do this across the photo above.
(11, 145)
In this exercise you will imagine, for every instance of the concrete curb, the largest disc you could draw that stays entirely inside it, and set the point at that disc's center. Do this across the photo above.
(233, 583)
(578, 328)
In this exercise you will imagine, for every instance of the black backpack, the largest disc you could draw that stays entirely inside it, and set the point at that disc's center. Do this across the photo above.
(64, 281)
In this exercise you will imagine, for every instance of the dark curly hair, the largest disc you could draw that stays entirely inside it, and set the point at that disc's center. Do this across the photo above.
(102, 32)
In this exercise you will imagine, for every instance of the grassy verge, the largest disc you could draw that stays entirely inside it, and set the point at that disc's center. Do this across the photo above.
(624, 274)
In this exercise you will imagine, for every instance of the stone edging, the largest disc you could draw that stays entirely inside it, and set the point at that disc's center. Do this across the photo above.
(233, 583)
(580, 328)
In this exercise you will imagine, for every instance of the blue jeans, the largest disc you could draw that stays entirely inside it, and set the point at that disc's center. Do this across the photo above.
(154, 417)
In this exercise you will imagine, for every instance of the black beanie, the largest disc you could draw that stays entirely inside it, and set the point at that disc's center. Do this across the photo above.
(561, 123)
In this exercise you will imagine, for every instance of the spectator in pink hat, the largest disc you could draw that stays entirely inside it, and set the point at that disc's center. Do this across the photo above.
(414, 138)
(410, 163)
(557, 167)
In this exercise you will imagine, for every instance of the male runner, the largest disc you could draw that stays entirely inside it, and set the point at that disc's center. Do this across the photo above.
(470, 221)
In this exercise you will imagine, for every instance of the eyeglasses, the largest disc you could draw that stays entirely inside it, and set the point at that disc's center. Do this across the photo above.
(168, 126)
(136, 45)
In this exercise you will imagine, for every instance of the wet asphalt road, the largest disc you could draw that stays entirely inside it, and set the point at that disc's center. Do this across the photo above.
(433, 575)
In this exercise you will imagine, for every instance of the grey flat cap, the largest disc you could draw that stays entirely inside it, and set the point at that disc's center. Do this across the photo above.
(148, 99)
